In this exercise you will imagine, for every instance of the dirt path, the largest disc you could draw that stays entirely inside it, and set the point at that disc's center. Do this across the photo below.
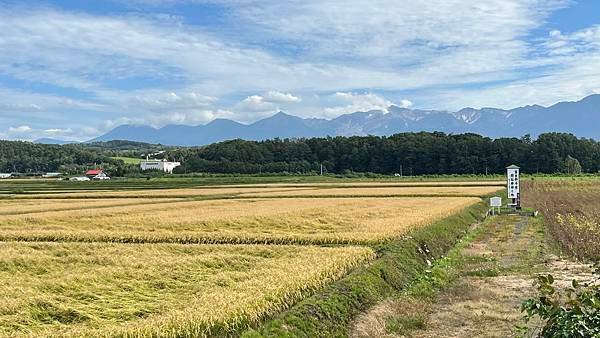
(494, 273)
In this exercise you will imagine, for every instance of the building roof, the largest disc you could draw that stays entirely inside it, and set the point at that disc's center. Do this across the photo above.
(93, 172)
(513, 167)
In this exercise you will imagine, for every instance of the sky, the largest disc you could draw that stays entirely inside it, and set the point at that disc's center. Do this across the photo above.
(74, 70)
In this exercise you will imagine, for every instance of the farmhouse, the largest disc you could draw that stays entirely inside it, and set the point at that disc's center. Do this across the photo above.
(162, 165)
(96, 174)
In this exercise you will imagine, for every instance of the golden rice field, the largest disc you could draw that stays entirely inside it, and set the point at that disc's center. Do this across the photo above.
(464, 191)
(154, 193)
(299, 220)
(195, 261)
(376, 184)
(22, 206)
(167, 290)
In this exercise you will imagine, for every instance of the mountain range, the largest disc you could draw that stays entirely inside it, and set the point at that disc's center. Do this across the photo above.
(581, 118)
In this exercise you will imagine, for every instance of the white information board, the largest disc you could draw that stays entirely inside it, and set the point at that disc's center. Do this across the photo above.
(495, 202)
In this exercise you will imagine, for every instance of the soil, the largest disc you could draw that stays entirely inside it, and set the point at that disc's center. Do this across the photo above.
(484, 301)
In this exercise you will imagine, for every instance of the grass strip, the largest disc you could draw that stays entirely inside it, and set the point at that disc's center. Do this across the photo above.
(329, 312)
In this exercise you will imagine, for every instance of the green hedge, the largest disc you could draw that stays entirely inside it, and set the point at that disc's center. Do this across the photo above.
(330, 312)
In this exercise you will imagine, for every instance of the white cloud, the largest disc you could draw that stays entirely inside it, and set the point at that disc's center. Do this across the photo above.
(193, 117)
(275, 96)
(358, 102)
(436, 50)
(58, 131)
(19, 129)
(169, 101)
(405, 104)
(256, 103)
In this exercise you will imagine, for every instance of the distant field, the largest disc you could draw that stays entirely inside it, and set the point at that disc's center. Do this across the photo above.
(137, 290)
(174, 182)
(27, 206)
(466, 189)
(153, 193)
(184, 257)
(128, 160)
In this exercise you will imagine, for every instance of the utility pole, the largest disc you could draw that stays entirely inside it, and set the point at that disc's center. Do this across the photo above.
(321, 169)
(401, 170)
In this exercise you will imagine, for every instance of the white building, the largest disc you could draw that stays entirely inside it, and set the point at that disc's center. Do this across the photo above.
(79, 179)
(5, 175)
(162, 165)
(513, 186)
(48, 175)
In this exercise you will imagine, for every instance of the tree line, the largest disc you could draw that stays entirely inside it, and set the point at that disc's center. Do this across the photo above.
(423, 153)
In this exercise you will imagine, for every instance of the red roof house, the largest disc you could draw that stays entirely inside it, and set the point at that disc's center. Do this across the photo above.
(93, 172)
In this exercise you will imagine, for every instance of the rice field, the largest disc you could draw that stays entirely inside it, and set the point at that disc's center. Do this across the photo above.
(464, 191)
(103, 289)
(194, 261)
(301, 220)
(411, 183)
(25, 206)
(151, 193)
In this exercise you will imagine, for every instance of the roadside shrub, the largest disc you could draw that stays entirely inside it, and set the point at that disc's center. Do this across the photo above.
(573, 312)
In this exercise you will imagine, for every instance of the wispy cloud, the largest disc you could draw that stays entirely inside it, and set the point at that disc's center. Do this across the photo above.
(128, 66)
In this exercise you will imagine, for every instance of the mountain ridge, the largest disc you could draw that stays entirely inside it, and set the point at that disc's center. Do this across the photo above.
(577, 117)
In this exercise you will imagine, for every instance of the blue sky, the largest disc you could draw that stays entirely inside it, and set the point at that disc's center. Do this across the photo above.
(76, 69)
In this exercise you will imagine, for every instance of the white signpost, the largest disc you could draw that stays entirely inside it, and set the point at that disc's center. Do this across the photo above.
(495, 202)
(513, 186)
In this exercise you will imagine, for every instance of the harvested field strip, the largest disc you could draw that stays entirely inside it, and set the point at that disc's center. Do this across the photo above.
(308, 220)
(375, 184)
(155, 193)
(221, 193)
(387, 191)
(18, 207)
(104, 289)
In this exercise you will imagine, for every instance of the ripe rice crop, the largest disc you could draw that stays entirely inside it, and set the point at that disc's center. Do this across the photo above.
(155, 193)
(166, 290)
(19, 206)
(293, 220)
(572, 211)
(376, 184)
(381, 191)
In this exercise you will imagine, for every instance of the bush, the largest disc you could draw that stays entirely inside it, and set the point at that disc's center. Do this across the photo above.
(574, 312)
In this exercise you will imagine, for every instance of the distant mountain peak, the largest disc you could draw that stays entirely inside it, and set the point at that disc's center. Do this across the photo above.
(580, 118)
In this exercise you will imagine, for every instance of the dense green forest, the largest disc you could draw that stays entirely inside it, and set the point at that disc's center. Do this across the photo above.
(409, 153)
(406, 153)
(32, 158)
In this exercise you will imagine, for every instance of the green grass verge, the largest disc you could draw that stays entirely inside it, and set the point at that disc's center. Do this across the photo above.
(128, 160)
(329, 312)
